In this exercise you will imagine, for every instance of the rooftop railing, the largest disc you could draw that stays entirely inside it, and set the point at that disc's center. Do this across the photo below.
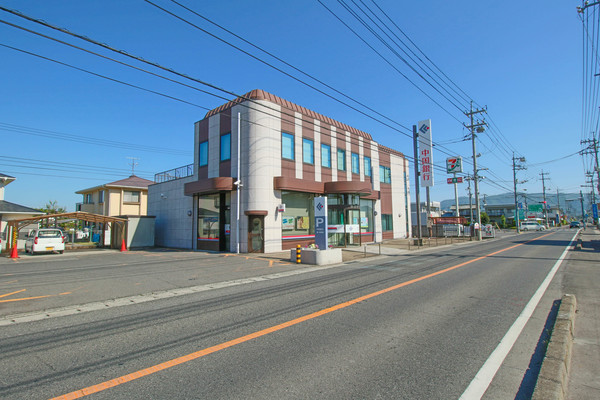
(173, 174)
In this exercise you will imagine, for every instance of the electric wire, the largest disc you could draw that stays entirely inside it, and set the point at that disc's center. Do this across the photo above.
(137, 58)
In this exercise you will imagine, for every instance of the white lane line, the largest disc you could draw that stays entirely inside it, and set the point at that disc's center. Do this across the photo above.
(143, 298)
(484, 377)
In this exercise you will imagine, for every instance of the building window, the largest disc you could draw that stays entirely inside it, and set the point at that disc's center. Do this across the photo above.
(355, 163)
(367, 166)
(203, 158)
(226, 147)
(101, 196)
(287, 146)
(387, 222)
(308, 151)
(87, 198)
(341, 160)
(325, 155)
(385, 175)
(298, 216)
(131, 196)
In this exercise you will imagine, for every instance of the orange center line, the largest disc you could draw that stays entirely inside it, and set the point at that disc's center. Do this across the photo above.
(8, 294)
(213, 349)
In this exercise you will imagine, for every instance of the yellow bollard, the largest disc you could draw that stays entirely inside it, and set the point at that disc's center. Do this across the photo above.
(298, 251)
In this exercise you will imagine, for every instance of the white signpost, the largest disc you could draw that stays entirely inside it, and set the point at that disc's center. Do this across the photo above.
(425, 153)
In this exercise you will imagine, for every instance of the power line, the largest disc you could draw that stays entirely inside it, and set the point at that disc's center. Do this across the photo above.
(241, 97)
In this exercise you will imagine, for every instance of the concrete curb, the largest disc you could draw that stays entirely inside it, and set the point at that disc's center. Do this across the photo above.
(554, 375)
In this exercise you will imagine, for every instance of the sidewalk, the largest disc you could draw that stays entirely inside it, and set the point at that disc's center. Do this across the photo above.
(582, 278)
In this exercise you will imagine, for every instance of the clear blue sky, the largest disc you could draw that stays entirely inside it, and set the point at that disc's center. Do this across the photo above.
(521, 59)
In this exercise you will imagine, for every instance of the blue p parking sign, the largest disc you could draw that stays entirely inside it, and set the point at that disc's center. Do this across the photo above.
(320, 204)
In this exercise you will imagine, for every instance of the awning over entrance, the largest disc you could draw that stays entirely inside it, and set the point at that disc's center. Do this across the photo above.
(211, 185)
(363, 189)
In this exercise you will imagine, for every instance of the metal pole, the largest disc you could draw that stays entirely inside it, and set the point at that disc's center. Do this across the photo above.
(417, 195)
(456, 196)
(582, 209)
(239, 186)
(475, 177)
(516, 201)
(428, 209)
(544, 196)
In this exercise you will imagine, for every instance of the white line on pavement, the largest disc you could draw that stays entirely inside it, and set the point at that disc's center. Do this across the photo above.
(143, 298)
(484, 377)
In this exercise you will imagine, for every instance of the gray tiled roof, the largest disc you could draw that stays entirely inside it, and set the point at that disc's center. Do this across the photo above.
(8, 207)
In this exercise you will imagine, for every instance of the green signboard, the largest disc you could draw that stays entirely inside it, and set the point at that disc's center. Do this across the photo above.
(535, 208)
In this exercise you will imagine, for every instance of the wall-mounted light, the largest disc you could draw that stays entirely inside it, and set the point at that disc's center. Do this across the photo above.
(375, 213)
(189, 213)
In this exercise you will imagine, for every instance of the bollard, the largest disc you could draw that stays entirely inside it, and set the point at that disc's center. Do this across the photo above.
(298, 254)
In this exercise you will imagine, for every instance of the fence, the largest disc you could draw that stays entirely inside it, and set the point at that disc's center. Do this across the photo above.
(173, 174)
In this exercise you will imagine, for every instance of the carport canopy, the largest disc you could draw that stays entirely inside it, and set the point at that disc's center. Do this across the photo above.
(17, 224)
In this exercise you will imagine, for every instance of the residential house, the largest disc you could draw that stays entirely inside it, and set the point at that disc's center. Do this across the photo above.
(11, 211)
(123, 197)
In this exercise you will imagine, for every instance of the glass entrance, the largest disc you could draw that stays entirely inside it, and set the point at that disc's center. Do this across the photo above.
(256, 240)
(345, 219)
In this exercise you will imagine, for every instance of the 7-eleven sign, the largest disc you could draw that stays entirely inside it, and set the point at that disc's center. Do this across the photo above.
(454, 165)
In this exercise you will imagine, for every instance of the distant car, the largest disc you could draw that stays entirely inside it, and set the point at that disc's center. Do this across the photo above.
(532, 226)
(575, 224)
(45, 240)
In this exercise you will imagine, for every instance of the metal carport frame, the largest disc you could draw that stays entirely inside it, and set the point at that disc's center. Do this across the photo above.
(15, 225)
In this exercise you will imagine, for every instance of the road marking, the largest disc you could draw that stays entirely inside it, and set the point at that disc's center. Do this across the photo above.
(8, 294)
(484, 377)
(143, 298)
(222, 346)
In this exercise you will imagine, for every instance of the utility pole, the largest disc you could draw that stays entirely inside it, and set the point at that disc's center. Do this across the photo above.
(582, 209)
(480, 128)
(468, 179)
(515, 168)
(417, 175)
(543, 174)
(558, 205)
(593, 147)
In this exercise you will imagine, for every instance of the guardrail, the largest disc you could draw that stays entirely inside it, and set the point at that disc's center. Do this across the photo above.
(175, 173)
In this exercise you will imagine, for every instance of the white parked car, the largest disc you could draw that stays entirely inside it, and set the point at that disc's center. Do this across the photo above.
(45, 240)
(532, 226)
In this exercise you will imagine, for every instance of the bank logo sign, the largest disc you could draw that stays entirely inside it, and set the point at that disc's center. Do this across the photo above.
(454, 165)
(425, 153)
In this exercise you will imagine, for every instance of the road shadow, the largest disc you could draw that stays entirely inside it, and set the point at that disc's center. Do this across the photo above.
(535, 364)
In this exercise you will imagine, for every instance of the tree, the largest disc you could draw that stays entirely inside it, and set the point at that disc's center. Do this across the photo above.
(53, 208)
(485, 219)
(502, 221)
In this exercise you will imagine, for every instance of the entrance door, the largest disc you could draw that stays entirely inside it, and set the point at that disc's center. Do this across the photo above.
(352, 227)
(256, 240)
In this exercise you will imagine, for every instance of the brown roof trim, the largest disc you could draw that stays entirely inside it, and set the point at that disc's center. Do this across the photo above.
(211, 185)
(256, 212)
(297, 185)
(258, 94)
(390, 150)
(362, 188)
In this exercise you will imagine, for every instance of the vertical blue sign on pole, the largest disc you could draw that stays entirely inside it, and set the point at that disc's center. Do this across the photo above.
(595, 211)
(321, 240)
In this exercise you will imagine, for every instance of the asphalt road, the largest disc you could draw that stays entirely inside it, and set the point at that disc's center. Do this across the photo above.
(418, 326)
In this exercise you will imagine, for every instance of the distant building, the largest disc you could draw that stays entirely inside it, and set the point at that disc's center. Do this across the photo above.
(11, 211)
(124, 197)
